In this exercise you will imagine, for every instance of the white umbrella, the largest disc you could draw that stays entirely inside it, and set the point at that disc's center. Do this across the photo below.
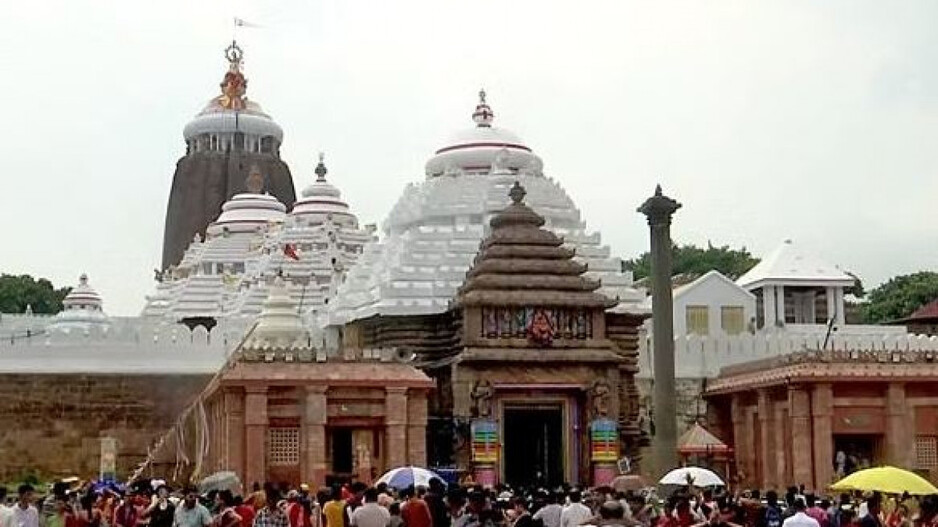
(403, 477)
(696, 476)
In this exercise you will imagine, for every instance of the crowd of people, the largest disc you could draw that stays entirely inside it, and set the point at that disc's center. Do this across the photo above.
(154, 504)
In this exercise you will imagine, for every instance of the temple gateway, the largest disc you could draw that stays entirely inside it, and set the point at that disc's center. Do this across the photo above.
(534, 377)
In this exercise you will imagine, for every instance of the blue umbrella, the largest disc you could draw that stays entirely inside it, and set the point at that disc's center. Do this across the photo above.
(403, 477)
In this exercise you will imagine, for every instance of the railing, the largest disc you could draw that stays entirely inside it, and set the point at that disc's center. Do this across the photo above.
(122, 332)
(699, 357)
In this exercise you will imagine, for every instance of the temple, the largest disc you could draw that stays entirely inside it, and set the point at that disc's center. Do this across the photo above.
(433, 232)
(534, 376)
(224, 141)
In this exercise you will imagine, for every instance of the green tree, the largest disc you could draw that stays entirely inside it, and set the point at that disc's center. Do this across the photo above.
(900, 297)
(694, 260)
(17, 292)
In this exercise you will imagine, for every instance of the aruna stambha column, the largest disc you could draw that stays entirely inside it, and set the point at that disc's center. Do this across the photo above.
(659, 209)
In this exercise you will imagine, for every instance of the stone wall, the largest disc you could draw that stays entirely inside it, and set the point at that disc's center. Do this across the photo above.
(52, 424)
(691, 407)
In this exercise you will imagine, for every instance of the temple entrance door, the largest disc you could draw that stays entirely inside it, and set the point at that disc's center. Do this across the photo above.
(533, 446)
(853, 452)
(342, 453)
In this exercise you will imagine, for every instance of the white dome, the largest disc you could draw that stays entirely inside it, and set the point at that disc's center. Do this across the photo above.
(231, 111)
(246, 211)
(223, 121)
(477, 149)
(83, 309)
(321, 197)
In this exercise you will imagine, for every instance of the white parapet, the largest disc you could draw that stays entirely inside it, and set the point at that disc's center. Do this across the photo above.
(698, 357)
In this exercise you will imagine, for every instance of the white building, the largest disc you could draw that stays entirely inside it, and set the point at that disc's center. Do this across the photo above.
(795, 287)
(714, 306)
(433, 233)
(226, 276)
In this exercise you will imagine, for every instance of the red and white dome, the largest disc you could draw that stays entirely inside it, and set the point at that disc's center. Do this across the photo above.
(483, 149)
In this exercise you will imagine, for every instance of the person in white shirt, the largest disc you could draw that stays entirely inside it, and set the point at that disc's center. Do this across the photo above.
(575, 513)
(370, 514)
(6, 513)
(800, 519)
(550, 514)
(24, 513)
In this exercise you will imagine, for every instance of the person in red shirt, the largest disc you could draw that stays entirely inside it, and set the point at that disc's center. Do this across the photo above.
(415, 512)
(245, 511)
(296, 512)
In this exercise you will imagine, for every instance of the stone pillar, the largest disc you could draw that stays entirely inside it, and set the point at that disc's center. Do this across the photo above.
(233, 434)
(899, 436)
(782, 443)
(255, 435)
(741, 443)
(839, 300)
(395, 422)
(799, 412)
(315, 417)
(822, 415)
(417, 430)
(829, 295)
(768, 305)
(767, 435)
(780, 304)
(659, 209)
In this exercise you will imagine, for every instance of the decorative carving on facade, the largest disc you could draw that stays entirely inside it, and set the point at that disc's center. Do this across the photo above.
(536, 324)
(482, 393)
(599, 395)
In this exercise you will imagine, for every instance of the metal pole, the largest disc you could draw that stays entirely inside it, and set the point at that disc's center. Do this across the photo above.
(659, 209)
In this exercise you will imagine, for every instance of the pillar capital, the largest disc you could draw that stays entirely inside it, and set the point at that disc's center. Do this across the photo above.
(256, 389)
(396, 390)
(316, 389)
(659, 208)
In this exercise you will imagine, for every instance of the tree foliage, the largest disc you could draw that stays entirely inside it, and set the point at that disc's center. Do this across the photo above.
(900, 297)
(17, 292)
(691, 259)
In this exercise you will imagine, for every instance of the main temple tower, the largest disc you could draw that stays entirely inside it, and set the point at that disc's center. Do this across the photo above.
(228, 138)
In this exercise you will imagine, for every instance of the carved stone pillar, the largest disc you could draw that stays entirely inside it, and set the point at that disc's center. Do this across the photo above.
(799, 412)
(782, 443)
(767, 434)
(822, 415)
(395, 422)
(742, 440)
(255, 436)
(417, 430)
(899, 436)
(233, 434)
(314, 431)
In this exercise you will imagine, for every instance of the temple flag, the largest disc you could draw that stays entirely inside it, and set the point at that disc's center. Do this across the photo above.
(240, 22)
(290, 251)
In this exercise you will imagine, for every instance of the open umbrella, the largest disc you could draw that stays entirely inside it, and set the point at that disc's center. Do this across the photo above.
(403, 477)
(886, 479)
(696, 476)
(224, 480)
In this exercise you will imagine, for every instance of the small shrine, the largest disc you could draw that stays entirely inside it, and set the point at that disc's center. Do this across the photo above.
(699, 447)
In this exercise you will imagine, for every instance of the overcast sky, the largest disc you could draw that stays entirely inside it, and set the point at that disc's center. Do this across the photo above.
(816, 121)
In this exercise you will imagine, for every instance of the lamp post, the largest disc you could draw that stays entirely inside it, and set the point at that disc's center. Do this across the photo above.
(659, 209)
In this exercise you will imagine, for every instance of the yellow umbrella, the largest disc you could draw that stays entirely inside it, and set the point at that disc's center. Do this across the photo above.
(887, 479)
